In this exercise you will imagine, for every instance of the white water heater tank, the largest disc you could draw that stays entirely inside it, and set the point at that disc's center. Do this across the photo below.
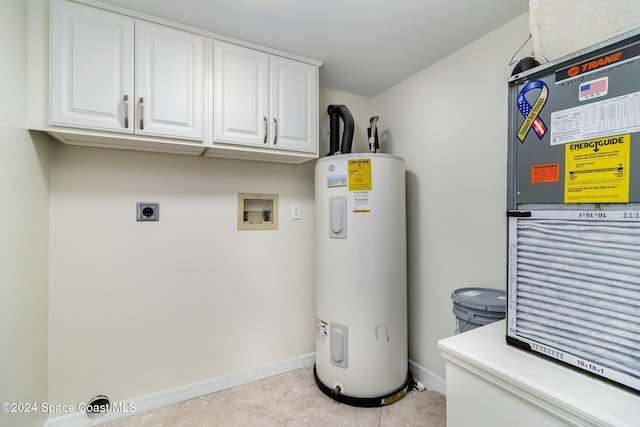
(361, 278)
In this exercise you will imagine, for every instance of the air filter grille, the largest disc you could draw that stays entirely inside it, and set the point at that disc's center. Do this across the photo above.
(574, 291)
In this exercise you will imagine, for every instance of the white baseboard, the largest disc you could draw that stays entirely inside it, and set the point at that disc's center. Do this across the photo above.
(202, 388)
(190, 391)
(426, 377)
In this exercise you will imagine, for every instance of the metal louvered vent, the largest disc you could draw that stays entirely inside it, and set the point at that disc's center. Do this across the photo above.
(574, 289)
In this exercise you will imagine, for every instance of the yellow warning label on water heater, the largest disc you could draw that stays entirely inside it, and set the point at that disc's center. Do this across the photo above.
(597, 171)
(359, 174)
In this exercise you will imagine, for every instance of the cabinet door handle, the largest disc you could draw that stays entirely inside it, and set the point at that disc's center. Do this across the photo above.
(125, 101)
(266, 130)
(141, 113)
(275, 131)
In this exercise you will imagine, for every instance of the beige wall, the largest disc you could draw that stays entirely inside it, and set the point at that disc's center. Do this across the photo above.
(137, 308)
(449, 122)
(24, 221)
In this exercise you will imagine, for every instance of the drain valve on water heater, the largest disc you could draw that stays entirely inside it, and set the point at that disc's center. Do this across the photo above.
(337, 388)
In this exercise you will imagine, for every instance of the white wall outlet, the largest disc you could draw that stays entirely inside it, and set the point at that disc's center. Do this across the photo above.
(295, 211)
(326, 133)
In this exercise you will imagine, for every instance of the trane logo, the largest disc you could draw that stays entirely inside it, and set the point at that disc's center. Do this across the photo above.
(592, 65)
(604, 60)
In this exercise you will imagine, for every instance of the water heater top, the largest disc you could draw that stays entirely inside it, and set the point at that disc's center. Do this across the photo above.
(361, 155)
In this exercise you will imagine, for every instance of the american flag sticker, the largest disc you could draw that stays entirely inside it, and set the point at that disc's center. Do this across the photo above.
(593, 89)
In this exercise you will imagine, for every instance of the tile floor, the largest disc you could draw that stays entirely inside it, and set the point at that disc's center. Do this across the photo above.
(290, 400)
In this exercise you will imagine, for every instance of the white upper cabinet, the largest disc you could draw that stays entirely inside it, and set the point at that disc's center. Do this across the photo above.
(121, 79)
(264, 100)
(169, 82)
(241, 95)
(91, 81)
(294, 105)
(93, 71)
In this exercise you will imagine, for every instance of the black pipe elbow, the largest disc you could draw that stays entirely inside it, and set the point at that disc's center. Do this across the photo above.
(337, 112)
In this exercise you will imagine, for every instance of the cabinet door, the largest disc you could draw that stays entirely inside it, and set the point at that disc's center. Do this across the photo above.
(241, 95)
(91, 79)
(169, 82)
(294, 105)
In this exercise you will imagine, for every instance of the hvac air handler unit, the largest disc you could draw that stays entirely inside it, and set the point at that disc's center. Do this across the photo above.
(574, 210)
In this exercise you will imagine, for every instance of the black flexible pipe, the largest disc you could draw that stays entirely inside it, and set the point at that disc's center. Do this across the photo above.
(337, 112)
(334, 128)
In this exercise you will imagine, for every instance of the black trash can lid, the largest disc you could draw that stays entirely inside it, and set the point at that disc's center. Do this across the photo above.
(487, 299)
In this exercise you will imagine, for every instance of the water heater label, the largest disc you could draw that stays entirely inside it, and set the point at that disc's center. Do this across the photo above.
(322, 331)
(337, 175)
(359, 174)
(361, 201)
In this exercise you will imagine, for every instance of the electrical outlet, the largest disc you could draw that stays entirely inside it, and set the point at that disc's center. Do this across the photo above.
(295, 211)
(148, 211)
(326, 133)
